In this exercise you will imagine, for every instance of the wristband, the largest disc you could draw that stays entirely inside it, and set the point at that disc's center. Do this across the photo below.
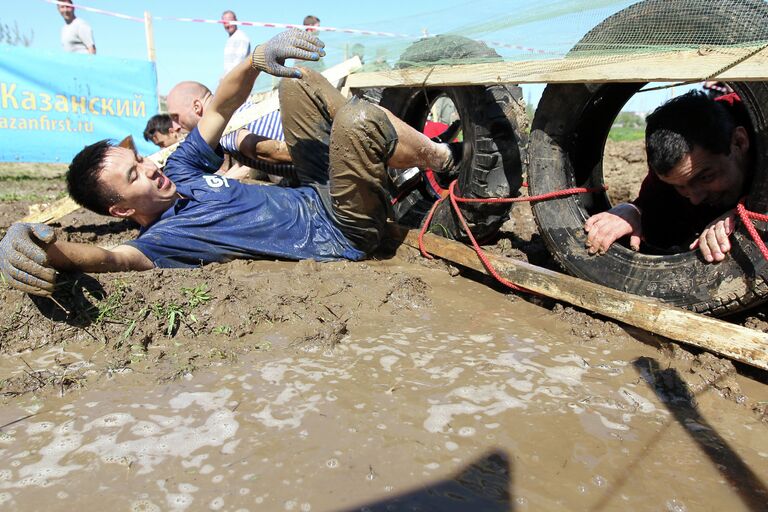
(258, 62)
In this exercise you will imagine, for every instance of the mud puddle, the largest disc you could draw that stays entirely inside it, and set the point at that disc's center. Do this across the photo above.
(464, 401)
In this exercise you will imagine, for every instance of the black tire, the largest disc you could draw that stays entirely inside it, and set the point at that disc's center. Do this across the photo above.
(568, 136)
(494, 137)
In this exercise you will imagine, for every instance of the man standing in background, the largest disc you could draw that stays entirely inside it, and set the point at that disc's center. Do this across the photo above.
(238, 45)
(76, 35)
(311, 21)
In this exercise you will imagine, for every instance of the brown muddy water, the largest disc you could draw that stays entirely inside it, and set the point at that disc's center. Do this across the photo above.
(462, 401)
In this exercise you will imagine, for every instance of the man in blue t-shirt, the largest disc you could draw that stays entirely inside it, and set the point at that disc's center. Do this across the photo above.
(190, 217)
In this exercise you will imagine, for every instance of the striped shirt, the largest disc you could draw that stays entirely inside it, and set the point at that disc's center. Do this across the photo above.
(269, 126)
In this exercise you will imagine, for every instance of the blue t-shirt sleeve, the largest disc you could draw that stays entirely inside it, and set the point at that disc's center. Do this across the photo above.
(193, 157)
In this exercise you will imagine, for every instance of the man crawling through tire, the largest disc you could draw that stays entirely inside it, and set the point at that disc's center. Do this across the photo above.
(700, 166)
(190, 217)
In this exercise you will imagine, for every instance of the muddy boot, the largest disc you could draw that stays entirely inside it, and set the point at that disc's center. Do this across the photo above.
(445, 222)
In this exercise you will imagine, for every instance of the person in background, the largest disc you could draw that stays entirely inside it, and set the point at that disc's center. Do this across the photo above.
(310, 22)
(238, 46)
(161, 132)
(76, 35)
(260, 145)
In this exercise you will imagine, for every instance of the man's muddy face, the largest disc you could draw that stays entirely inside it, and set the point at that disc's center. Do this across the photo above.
(140, 183)
(713, 179)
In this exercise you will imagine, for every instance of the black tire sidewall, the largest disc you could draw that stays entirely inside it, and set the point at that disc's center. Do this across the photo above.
(492, 147)
(568, 136)
(685, 279)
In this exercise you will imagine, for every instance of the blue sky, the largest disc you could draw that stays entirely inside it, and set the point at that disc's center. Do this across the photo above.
(193, 51)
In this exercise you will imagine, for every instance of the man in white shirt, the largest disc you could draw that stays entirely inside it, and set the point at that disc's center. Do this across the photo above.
(238, 45)
(76, 35)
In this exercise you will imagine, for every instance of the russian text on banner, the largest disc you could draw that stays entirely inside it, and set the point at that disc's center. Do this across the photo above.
(53, 103)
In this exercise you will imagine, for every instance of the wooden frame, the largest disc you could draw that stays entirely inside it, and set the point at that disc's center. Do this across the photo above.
(691, 65)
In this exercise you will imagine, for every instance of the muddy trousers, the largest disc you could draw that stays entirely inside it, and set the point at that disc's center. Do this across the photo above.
(342, 147)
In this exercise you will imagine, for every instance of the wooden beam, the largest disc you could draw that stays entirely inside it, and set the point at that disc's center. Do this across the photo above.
(729, 340)
(691, 65)
(269, 103)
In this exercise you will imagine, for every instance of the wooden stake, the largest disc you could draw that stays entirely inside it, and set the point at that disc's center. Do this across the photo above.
(150, 35)
(735, 342)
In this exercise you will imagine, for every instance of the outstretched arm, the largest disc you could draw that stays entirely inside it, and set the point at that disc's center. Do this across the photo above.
(237, 84)
(91, 258)
(30, 256)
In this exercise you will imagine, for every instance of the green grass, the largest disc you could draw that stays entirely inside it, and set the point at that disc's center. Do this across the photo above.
(29, 176)
(619, 134)
(13, 197)
(31, 171)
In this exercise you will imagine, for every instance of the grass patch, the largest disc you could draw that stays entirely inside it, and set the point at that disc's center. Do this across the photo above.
(20, 171)
(623, 133)
(12, 197)
(28, 176)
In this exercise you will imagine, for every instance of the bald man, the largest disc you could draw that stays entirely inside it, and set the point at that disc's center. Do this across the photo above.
(259, 145)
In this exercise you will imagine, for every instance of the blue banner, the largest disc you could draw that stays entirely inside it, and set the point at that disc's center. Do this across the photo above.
(54, 104)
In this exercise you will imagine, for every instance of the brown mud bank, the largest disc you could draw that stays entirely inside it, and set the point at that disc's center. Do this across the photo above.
(392, 384)
(386, 385)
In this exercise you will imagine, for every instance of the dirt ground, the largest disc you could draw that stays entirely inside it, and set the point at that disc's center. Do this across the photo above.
(393, 384)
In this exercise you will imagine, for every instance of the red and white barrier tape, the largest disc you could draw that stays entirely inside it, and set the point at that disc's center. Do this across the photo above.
(264, 24)
(98, 11)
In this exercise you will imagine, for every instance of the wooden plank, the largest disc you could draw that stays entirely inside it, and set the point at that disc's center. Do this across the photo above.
(674, 66)
(55, 210)
(270, 103)
(729, 340)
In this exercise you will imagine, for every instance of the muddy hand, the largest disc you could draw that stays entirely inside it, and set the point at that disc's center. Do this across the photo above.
(714, 242)
(606, 227)
(291, 44)
(23, 262)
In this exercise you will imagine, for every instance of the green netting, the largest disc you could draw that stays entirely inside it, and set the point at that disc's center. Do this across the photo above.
(540, 34)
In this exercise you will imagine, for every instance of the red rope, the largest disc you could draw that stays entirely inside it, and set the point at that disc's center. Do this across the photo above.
(747, 217)
(455, 200)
